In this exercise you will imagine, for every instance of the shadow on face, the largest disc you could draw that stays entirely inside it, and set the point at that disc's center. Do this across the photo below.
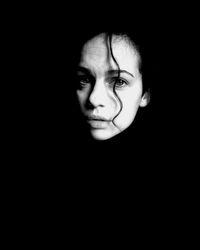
(110, 86)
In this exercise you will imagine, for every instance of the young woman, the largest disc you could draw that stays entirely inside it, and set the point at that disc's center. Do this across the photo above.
(112, 85)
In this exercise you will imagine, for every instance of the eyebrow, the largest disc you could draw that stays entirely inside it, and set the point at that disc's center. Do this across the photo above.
(83, 69)
(112, 71)
(119, 71)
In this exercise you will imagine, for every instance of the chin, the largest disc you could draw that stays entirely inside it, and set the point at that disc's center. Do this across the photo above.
(101, 135)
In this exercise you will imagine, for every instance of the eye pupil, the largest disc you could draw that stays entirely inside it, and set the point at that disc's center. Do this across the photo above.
(84, 81)
(118, 82)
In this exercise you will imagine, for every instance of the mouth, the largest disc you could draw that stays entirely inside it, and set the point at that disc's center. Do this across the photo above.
(98, 123)
(97, 118)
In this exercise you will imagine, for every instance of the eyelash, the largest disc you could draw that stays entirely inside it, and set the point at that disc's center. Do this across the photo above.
(115, 81)
(84, 81)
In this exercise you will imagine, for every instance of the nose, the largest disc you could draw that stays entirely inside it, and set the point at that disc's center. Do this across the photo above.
(99, 95)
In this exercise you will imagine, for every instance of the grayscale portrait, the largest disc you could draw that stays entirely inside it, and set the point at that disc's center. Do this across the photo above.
(113, 81)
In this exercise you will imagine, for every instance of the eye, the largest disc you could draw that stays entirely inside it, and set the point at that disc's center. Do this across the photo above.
(84, 80)
(119, 82)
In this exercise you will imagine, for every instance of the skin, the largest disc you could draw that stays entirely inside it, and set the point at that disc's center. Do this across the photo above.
(96, 77)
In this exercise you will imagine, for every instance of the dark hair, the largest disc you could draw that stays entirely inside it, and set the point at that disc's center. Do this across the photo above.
(114, 85)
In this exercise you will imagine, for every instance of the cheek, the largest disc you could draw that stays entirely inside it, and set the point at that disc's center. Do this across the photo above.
(130, 101)
(82, 96)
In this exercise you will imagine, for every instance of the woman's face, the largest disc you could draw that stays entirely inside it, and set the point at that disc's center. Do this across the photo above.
(109, 112)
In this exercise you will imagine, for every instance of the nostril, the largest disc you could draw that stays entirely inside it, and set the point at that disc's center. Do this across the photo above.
(89, 104)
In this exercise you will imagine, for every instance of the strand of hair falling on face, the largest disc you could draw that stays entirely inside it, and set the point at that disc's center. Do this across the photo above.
(118, 76)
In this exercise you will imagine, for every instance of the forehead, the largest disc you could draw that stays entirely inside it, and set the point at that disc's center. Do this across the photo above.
(96, 53)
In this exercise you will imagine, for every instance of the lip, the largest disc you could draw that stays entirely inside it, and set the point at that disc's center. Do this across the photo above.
(98, 123)
(97, 118)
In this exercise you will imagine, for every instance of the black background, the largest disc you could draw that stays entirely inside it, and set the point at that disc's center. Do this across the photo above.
(45, 125)
(40, 47)
(49, 160)
(46, 40)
